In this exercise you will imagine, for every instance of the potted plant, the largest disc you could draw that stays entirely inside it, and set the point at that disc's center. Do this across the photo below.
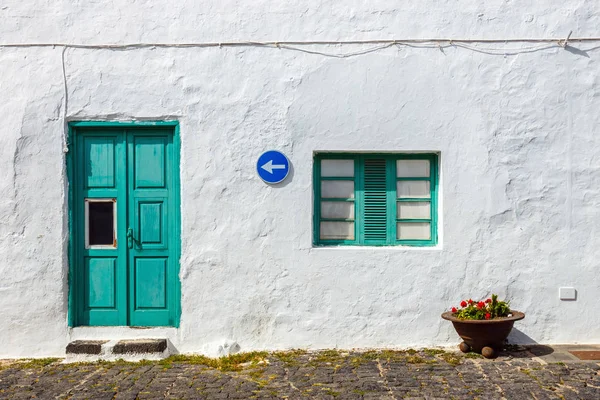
(483, 325)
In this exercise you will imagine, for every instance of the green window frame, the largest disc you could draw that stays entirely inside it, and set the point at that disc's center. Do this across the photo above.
(372, 199)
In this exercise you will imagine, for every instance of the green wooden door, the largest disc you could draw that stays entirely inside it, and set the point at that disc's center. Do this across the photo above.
(150, 182)
(125, 234)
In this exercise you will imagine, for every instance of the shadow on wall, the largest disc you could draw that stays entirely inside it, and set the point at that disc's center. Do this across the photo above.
(576, 51)
(288, 179)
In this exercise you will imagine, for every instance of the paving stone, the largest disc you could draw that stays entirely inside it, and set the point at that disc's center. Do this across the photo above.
(506, 378)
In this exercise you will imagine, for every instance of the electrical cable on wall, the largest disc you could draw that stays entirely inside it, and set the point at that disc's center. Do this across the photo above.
(379, 44)
(301, 46)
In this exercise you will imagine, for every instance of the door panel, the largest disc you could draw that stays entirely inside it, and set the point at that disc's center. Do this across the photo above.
(125, 282)
(101, 279)
(101, 269)
(152, 223)
(99, 166)
(151, 186)
(150, 283)
(149, 154)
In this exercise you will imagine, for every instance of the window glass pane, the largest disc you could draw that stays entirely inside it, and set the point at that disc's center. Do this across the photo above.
(337, 168)
(414, 209)
(337, 230)
(417, 189)
(414, 230)
(412, 168)
(339, 189)
(101, 219)
(337, 209)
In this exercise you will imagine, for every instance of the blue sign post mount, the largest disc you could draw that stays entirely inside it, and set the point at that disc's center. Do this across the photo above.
(272, 166)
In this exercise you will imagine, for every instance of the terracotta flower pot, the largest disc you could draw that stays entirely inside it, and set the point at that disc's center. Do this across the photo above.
(483, 336)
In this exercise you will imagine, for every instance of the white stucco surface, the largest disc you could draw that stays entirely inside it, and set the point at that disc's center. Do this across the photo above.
(517, 134)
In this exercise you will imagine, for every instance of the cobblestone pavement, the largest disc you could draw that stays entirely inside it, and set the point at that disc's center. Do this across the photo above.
(423, 374)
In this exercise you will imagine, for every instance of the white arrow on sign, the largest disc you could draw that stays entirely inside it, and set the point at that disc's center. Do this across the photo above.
(269, 166)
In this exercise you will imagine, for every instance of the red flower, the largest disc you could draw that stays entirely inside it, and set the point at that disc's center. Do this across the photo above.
(470, 301)
(454, 309)
(488, 316)
(488, 301)
(463, 303)
(480, 305)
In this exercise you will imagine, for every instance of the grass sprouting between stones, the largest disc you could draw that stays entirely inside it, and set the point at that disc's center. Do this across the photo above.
(290, 358)
(30, 363)
(255, 362)
(232, 362)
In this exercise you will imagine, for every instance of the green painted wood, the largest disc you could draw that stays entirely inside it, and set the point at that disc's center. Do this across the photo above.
(150, 276)
(317, 200)
(360, 201)
(100, 280)
(375, 210)
(123, 124)
(434, 197)
(376, 200)
(149, 165)
(433, 176)
(391, 202)
(153, 256)
(100, 161)
(174, 229)
(317, 179)
(137, 164)
(99, 275)
(70, 248)
(152, 224)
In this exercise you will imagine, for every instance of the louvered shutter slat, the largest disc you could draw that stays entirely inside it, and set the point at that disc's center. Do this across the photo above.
(375, 198)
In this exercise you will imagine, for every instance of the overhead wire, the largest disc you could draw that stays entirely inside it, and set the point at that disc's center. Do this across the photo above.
(307, 46)
(288, 43)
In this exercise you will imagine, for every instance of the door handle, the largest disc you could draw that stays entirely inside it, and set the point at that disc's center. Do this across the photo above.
(129, 238)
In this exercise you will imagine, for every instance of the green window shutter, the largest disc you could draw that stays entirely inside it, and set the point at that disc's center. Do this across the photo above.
(389, 199)
(375, 201)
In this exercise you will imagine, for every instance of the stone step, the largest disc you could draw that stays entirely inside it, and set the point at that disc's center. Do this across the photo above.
(90, 347)
(140, 346)
(111, 350)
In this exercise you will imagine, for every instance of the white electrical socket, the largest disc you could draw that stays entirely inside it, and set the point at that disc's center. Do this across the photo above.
(567, 293)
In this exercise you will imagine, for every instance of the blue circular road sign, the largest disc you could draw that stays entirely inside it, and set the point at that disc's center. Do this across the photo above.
(272, 166)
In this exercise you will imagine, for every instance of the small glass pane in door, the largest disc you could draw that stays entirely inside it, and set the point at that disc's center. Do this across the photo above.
(100, 220)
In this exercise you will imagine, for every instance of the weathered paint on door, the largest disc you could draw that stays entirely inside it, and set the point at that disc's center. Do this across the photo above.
(129, 277)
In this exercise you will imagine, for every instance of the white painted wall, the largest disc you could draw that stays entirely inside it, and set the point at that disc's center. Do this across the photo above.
(517, 136)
